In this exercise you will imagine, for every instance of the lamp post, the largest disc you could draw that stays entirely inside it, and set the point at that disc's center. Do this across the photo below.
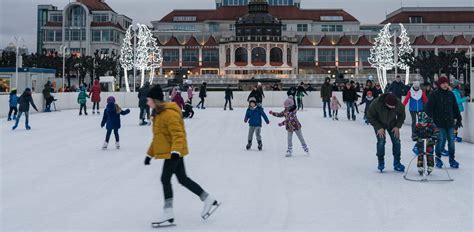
(17, 56)
(63, 51)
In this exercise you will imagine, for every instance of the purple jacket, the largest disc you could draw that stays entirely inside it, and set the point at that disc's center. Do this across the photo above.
(291, 120)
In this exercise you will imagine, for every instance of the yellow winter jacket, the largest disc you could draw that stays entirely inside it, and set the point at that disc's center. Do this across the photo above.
(168, 133)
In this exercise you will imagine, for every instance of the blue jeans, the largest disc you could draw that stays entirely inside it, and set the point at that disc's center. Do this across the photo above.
(396, 146)
(327, 102)
(26, 118)
(445, 134)
(350, 107)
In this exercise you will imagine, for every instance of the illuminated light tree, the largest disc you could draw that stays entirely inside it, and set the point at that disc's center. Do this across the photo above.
(405, 53)
(382, 55)
(142, 52)
(126, 56)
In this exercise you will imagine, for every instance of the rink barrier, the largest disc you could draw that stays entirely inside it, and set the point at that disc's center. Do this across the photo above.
(273, 99)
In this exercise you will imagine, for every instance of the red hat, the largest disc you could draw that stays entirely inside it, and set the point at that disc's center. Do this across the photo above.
(391, 100)
(442, 80)
(369, 93)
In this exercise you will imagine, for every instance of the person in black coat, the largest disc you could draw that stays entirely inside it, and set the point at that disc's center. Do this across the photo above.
(397, 87)
(229, 95)
(443, 109)
(349, 96)
(292, 92)
(369, 86)
(188, 111)
(25, 101)
(257, 94)
(202, 96)
(144, 108)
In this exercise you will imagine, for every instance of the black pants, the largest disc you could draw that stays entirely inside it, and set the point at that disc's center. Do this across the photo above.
(201, 103)
(175, 165)
(188, 114)
(328, 104)
(356, 107)
(109, 132)
(12, 109)
(95, 106)
(143, 111)
(228, 100)
(83, 106)
(300, 103)
(413, 122)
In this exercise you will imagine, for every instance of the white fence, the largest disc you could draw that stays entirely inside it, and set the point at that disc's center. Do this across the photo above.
(68, 101)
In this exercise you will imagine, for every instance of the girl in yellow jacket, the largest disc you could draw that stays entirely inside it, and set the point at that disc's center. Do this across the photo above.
(169, 143)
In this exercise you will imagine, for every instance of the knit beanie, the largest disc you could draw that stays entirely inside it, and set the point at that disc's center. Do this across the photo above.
(416, 84)
(289, 102)
(252, 99)
(391, 100)
(110, 99)
(156, 93)
(442, 80)
(456, 83)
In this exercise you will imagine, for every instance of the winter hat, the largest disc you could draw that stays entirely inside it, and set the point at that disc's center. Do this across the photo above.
(391, 100)
(289, 102)
(416, 84)
(110, 99)
(27, 90)
(252, 99)
(369, 93)
(423, 117)
(442, 80)
(456, 83)
(156, 93)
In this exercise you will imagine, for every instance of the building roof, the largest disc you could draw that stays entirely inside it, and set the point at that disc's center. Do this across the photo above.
(325, 42)
(421, 40)
(363, 41)
(232, 13)
(106, 24)
(305, 41)
(344, 41)
(432, 15)
(96, 5)
(440, 40)
(460, 40)
(173, 41)
(211, 41)
(192, 42)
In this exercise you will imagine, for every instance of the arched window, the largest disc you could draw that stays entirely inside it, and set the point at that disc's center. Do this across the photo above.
(241, 55)
(227, 55)
(276, 55)
(76, 17)
(259, 55)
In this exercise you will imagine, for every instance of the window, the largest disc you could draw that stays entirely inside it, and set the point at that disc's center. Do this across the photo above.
(331, 28)
(302, 27)
(184, 27)
(184, 18)
(56, 17)
(259, 55)
(49, 36)
(227, 55)
(77, 17)
(241, 55)
(59, 35)
(96, 35)
(106, 35)
(213, 27)
(325, 55)
(232, 27)
(276, 55)
(101, 17)
(364, 55)
(75, 35)
(306, 55)
(416, 19)
(346, 55)
(283, 27)
(331, 18)
(210, 55)
(190, 55)
(170, 55)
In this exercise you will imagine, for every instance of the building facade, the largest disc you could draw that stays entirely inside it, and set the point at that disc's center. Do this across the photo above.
(310, 41)
(84, 26)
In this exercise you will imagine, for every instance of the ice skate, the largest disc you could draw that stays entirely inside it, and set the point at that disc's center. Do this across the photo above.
(458, 139)
(260, 145)
(166, 219)
(249, 145)
(28, 127)
(381, 166)
(397, 166)
(421, 170)
(210, 206)
(142, 122)
(9, 119)
(438, 162)
(117, 145)
(306, 149)
(429, 170)
(93, 112)
(453, 163)
(104, 147)
(289, 152)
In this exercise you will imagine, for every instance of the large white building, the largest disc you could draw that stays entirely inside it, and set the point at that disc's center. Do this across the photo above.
(84, 26)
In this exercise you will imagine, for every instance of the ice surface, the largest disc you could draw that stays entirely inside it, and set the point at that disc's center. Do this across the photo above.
(56, 177)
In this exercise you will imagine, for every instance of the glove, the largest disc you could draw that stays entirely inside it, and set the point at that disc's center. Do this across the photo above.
(459, 123)
(147, 160)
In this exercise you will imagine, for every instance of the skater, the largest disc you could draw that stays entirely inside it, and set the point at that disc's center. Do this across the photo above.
(82, 100)
(13, 102)
(335, 106)
(292, 125)
(94, 94)
(425, 132)
(369, 86)
(300, 92)
(229, 96)
(256, 93)
(47, 96)
(369, 98)
(349, 96)
(178, 99)
(444, 110)
(188, 110)
(173, 92)
(417, 99)
(144, 108)
(170, 143)
(111, 120)
(397, 87)
(202, 96)
(254, 116)
(24, 101)
(460, 101)
(190, 94)
(326, 94)
(387, 114)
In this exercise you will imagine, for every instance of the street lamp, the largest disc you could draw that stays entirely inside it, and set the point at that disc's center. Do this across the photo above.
(17, 56)
(64, 54)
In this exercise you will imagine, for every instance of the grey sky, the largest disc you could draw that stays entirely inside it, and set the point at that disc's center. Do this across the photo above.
(18, 17)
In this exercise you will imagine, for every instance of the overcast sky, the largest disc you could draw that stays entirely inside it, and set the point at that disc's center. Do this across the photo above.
(18, 17)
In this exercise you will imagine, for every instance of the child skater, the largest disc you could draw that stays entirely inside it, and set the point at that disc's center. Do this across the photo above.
(335, 106)
(82, 99)
(111, 118)
(254, 117)
(188, 109)
(292, 125)
(369, 98)
(170, 143)
(24, 101)
(425, 130)
(13, 101)
(178, 99)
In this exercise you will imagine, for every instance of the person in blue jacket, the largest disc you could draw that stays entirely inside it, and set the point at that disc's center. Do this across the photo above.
(111, 118)
(460, 100)
(25, 101)
(254, 117)
(13, 101)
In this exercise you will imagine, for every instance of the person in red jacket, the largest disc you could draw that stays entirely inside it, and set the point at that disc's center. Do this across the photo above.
(94, 94)
(416, 99)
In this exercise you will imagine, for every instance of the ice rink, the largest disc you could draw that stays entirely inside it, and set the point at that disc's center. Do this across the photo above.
(56, 177)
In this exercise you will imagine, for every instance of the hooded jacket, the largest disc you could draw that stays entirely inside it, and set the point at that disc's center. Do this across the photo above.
(142, 95)
(13, 100)
(443, 108)
(82, 97)
(326, 90)
(94, 94)
(380, 116)
(111, 118)
(254, 116)
(24, 101)
(416, 100)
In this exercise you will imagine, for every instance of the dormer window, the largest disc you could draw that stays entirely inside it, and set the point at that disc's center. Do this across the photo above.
(101, 17)
(416, 19)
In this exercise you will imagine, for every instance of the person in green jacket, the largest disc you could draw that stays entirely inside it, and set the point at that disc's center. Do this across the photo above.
(82, 100)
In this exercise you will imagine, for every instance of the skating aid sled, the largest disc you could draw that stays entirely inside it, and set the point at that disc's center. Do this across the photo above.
(424, 177)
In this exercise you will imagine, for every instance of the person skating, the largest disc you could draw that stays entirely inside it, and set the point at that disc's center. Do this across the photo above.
(444, 110)
(178, 99)
(349, 96)
(368, 99)
(253, 116)
(111, 121)
(397, 87)
(82, 100)
(170, 143)
(188, 110)
(13, 103)
(257, 94)
(47, 96)
(425, 136)
(190, 93)
(300, 92)
(292, 125)
(229, 96)
(369, 86)
(202, 96)
(94, 94)
(416, 99)
(24, 102)
(335, 106)
(460, 100)
(387, 114)
(326, 95)
(142, 104)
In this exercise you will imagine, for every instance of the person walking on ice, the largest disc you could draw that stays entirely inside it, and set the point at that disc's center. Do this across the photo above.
(111, 118)
(13, 102)
(25, 101)
(292, 125)
(82, 100)
(170, 143)
(254, 116)
(94, 94)
(335, 106)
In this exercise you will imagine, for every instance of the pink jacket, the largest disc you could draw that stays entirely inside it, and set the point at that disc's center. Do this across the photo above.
(335, 105)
